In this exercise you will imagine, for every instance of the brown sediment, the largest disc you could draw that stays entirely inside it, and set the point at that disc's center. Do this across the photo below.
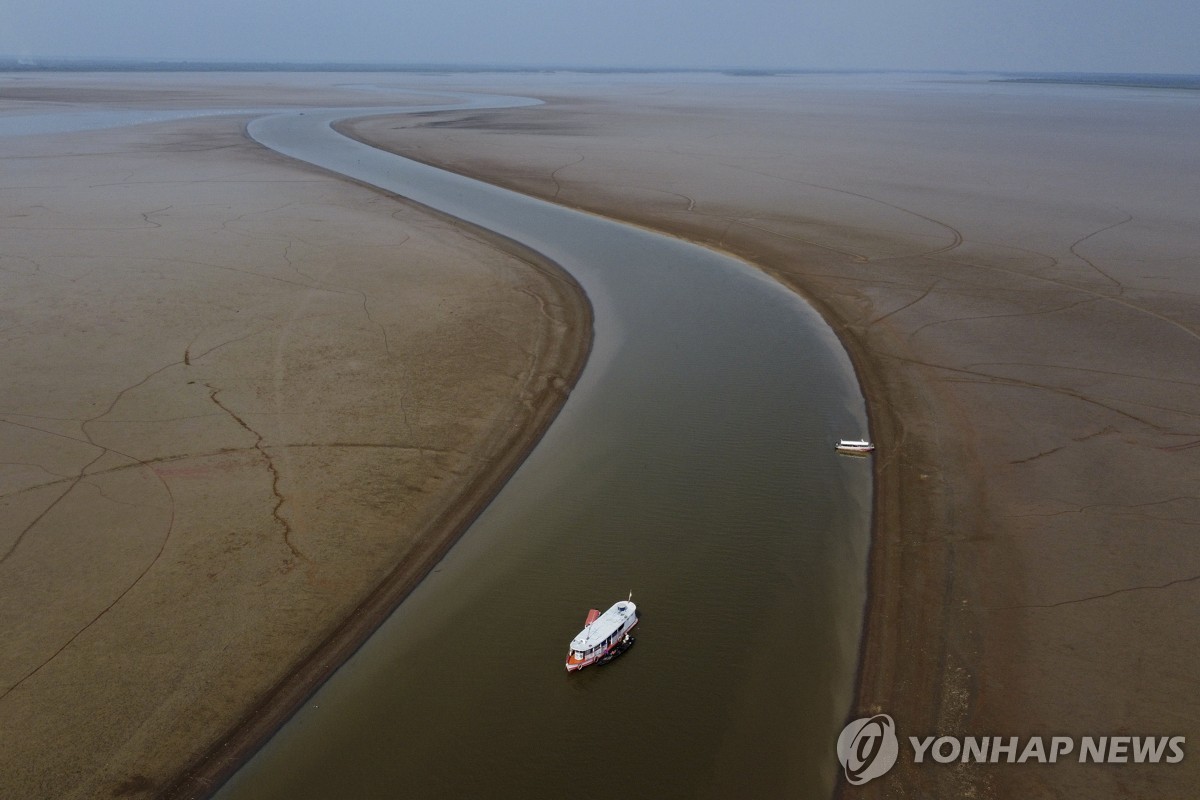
(1022, 348)
(253, 404)
(1022, 320)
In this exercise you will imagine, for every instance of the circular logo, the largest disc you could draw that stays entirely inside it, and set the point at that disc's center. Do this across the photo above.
(867, 748)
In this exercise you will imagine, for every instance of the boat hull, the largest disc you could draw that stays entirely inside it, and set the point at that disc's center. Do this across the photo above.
(605, 655)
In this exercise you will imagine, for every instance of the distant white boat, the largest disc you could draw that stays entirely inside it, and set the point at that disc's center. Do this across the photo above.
(604, 636)
(855, 446)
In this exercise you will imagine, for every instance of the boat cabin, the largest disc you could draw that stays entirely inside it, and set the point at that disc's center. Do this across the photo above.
(601, 634)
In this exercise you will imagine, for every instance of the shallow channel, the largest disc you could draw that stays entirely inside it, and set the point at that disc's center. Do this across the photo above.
(692, 465)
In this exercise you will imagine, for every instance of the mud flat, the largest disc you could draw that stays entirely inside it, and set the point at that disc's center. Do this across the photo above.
(1013, 269)
(246, 406)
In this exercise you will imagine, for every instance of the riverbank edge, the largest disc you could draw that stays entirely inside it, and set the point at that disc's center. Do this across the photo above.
(916, 656)
(562, 364)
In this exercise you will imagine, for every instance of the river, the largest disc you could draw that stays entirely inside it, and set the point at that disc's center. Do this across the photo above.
(693, 465)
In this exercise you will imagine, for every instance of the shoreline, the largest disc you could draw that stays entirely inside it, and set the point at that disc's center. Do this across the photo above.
(206, 775)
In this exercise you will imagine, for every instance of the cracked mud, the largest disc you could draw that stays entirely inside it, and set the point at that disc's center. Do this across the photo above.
(237, 394)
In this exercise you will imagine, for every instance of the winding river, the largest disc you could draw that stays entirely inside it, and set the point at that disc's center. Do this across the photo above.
(692, 465)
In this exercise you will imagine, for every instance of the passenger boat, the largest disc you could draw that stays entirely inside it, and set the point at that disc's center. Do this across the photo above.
(604, 636)
(860, 446)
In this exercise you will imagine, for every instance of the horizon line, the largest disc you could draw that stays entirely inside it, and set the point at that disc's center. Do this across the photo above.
(121, 63)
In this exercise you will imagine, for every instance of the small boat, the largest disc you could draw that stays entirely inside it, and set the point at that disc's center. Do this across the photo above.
(620, 647)
(855, 446)
(604, 636)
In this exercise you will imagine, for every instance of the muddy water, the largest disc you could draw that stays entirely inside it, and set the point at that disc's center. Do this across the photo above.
(692, 465)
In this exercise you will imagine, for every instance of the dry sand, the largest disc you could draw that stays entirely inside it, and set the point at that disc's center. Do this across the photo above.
(1014, 272)
(246, 405)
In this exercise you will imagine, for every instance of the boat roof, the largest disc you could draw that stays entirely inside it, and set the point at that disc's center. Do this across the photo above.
(854, 443)
(605, 625)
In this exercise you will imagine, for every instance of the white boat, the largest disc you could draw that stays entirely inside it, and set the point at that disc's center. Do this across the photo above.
(603, 635)
(854, 446)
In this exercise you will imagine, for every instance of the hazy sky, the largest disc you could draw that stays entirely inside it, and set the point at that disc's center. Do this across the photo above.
(1069, 35)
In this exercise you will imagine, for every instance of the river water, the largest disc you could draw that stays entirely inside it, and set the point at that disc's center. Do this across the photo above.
(692, 465)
